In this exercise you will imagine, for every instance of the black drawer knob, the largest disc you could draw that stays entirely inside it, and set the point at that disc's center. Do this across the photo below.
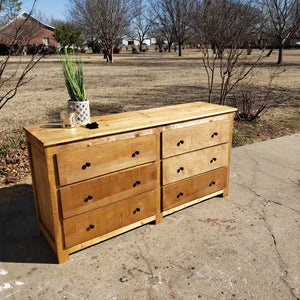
(87, 165)
(212, 183)
(136, 183)
(136, 210)
(213, 159)
(92, 226)
(180, 143)
(180, 169)
(89, 197)
(179, 195)
(135, 153)
(214, 134)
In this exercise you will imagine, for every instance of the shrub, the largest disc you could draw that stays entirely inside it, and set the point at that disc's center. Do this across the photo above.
(116, 50)
(249, 101)
(51, 50)
(4, 49)
(32, 49)
(97, 47)
(249, 104)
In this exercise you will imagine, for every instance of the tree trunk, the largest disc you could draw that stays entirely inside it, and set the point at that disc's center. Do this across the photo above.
(270, 51)
(179, 49)
(169, 47)
(213, 47)
(141, 47)
(280, 53)
(109, 56)
(220, 53)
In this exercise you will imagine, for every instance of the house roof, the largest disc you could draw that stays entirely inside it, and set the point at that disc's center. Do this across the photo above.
(25, 15)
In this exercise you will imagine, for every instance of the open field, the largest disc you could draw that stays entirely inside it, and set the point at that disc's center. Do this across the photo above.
(148, 80)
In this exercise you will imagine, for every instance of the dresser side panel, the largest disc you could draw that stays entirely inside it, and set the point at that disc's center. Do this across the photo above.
(231, 116)
(42, 189)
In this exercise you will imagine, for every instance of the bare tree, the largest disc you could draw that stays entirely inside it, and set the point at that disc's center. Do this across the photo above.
(12, 79)
(282, 21)
(103, 20)
(163, 28)
(159, 37)
(225, 25)
(8, 10)
(142, 23)
(225, 22)
(174, 16)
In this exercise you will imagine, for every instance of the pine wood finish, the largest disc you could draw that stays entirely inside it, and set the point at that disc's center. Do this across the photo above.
(91, 185)
(97, 222)
(99, 192)
(199, 136)
(196, 187)
(192, 163)
(85, 162)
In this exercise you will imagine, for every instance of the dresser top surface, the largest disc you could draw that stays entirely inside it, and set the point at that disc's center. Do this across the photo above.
(52, 134)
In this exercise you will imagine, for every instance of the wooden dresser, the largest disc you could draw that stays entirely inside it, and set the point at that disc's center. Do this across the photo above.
(92, 184)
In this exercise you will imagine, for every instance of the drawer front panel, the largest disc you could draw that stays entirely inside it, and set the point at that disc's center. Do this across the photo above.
(92, 161)
(196, 187)
(190, 164)
(92, 194)
(92, 224)
(182, 140)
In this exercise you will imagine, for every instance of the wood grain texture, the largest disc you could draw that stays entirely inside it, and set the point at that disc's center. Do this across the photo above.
(86, 162)
(42, 190)
(230, 116)
(89, 225)
(92, 194)
(193, 163)
(187, 190)
(193, 202)
(195, 137)
(159, 215)
(109, 235)
(53, 134)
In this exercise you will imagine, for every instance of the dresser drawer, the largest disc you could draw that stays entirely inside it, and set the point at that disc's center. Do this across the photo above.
(95, 223)
(92, 194)
(193, 163)
(182, 140)
(193, 188)
(92, 160)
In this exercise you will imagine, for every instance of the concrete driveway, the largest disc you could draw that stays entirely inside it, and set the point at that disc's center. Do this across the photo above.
(244, 246)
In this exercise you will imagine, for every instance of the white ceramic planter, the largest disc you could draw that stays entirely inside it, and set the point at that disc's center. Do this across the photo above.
(82, 111)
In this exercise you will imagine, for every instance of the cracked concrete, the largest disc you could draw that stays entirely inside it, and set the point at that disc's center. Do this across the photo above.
(244, 246)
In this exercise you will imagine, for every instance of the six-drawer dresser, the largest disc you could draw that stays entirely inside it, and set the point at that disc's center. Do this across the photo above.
(92, 184)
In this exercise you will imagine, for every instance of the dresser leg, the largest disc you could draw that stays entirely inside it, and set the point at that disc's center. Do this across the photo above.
(159, 218)
(62, 257)
(225, 192)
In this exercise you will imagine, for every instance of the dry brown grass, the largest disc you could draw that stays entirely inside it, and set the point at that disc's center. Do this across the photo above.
(147, 80)
(136, 82)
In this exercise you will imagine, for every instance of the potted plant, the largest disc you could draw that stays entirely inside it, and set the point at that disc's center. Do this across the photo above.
(74, 79)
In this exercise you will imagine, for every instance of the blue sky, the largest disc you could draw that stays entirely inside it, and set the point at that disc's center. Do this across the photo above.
(47, 8)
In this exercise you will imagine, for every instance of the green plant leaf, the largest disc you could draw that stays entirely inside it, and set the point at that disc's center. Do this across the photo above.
(74, 78)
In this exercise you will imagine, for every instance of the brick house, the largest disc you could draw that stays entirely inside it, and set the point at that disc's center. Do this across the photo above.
(27, 30)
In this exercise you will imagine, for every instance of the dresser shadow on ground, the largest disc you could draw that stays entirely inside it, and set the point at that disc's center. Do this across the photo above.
(20, 238)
